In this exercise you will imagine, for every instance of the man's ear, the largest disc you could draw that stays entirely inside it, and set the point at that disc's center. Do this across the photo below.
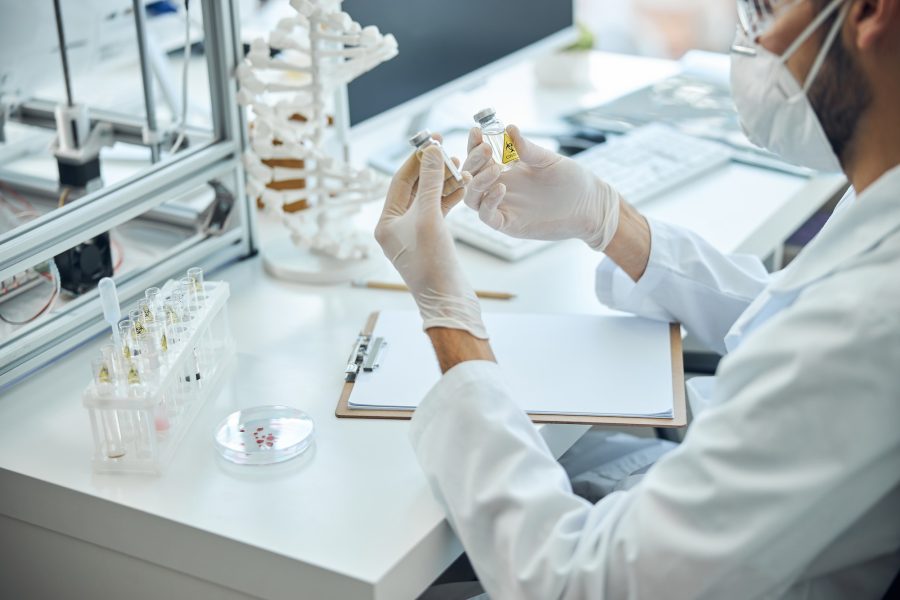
(874, 21)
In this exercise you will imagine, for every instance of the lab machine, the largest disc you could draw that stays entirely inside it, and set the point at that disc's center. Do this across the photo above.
(120, 145)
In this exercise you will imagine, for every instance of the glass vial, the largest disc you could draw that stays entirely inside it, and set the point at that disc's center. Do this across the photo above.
(195, 275)
(126, 337)
(104, 384)
(137, 320)
(423, 139)
(154, 299)
(494, 133)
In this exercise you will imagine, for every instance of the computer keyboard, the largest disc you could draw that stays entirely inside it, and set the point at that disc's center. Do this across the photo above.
(640, 164)
(469, 229)
(652, 159)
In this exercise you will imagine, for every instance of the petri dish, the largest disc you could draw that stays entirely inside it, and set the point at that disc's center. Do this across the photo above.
(264, 435)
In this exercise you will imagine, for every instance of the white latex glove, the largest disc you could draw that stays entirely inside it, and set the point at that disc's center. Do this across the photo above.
(415, 238)
(544, 196)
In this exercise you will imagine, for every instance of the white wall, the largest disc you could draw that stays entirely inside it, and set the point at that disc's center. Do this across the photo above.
(666, 28)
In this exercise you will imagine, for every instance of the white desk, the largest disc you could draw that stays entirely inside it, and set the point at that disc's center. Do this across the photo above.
(356, 518)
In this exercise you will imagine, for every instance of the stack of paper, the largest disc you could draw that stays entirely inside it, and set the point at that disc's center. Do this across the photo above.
(554, 364)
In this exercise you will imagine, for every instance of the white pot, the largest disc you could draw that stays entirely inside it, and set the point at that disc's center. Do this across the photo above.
(571, 69)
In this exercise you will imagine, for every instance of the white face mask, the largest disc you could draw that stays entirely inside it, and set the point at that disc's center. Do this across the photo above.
(774, 110)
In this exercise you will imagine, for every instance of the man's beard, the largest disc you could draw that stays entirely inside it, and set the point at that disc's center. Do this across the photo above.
(839, 95)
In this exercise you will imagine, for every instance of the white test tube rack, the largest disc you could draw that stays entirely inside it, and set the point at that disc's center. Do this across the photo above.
(136, 446)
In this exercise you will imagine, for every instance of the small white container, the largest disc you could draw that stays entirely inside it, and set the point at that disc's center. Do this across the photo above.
(564, 70)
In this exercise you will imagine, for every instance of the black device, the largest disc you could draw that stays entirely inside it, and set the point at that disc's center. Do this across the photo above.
(579, 141)
(81, 267)
(78, 174)
(440, 41)
(220, 210)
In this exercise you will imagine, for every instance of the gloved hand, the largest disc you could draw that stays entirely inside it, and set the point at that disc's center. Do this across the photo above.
(544, 196)
(415, 238)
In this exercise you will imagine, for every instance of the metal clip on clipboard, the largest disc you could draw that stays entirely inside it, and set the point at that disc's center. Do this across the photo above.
(366, 356)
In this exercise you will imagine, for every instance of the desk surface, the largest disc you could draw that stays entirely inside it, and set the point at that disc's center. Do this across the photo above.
(355, 519)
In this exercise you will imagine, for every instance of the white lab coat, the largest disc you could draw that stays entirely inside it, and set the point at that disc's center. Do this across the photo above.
(787, 484)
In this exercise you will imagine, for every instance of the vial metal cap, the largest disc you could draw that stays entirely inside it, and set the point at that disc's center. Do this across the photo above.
(420, 138)
(484, 114)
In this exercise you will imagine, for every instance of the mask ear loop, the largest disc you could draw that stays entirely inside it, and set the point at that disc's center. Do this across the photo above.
(810, 29)
(823, 53)
(826, 46)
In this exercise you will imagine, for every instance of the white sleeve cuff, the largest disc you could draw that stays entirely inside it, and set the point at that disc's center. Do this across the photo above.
(618, 291)
(467, 383)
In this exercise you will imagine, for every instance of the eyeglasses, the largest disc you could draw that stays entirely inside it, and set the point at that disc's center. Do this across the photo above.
(756, 17)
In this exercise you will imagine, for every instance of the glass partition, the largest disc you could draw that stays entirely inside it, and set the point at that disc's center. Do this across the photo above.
(118, 157)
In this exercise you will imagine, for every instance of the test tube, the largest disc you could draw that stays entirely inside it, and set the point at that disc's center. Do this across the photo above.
(154, 298)
(162, 337)
(148, 311)
(151, 359)
(171, 310)
(104, 383)
(181, 300)
(137, 320)
(144, 433)
(134, 378)
(161, 419)
(423, 139)
(126, 337)
(192, 297)
(178, 335)
(195, 275)
(142, 422)
(120, 361)
(137, 330)
(190, 300)
(104, 377)
(109, 354)
(177, 294)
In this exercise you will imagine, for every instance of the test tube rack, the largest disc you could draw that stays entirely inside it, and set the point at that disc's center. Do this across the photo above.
(124, 425)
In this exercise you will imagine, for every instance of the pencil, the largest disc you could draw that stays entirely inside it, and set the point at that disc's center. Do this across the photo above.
(399, 287)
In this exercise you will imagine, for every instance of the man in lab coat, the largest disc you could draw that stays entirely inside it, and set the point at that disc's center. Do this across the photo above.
(788, 482)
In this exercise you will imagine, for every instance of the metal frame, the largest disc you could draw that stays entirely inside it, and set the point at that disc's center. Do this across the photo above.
(125, 128)
(97, 212)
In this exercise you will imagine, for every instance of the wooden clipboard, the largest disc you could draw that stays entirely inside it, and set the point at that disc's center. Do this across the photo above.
(679, 407)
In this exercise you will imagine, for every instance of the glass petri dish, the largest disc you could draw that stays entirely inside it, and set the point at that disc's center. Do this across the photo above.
(264, 435)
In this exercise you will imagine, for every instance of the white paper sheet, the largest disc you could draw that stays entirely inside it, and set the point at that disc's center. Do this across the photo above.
(555, 364)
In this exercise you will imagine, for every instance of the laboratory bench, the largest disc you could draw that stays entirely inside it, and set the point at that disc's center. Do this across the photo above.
(353, 517)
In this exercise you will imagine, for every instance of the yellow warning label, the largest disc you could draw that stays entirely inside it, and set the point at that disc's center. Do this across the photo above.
(509, 151)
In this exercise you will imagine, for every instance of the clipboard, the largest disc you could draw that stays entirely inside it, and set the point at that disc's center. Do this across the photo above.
(679, 407)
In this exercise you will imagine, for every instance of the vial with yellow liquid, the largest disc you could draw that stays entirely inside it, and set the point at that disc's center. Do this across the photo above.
(494, 133)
